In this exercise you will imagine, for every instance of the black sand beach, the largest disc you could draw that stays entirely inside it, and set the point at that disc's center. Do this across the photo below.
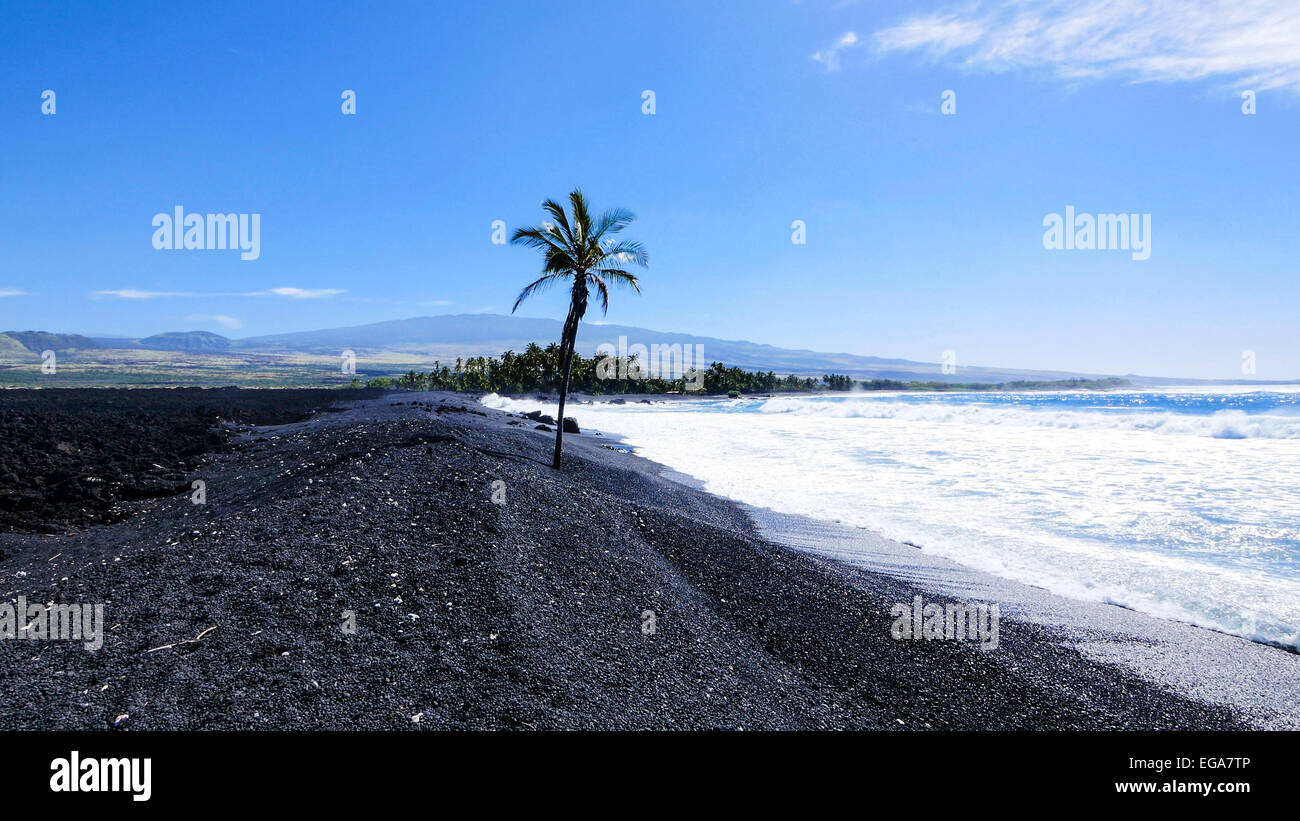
(474, 615)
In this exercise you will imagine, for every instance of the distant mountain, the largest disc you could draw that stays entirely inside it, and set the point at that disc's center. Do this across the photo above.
(483, 333)
(38, 341)
(402, 344)
(195, 341)
(447, 337)
(115, 342)
(12, 347)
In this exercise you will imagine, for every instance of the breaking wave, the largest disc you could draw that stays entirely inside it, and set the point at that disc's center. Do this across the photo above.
(1223, 424)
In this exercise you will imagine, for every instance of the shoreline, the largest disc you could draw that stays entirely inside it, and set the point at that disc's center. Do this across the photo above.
(1149, 602)
(525, 615)
(1115, 598)
(1197, 660)
(1257, 677)
(1194, 660)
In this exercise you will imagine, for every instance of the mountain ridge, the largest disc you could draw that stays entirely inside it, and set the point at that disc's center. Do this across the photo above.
(419, 341)
(491, 334)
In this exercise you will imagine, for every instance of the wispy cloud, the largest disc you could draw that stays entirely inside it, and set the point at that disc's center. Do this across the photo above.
(223, 320)
(830, 56)
(1251, 43)
(132, 293)
(4, 292)
(292, 293)
(302, 293)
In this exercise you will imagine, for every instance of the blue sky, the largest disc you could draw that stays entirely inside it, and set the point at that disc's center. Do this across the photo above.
(924, 230)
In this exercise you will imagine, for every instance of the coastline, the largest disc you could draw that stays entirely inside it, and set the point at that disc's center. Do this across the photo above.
(523, 615)
(1258, 679)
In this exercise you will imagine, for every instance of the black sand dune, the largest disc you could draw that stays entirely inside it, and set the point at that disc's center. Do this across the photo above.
(67, 456)
(473, 615)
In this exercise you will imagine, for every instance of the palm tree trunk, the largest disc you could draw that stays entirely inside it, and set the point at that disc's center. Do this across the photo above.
(566, 352)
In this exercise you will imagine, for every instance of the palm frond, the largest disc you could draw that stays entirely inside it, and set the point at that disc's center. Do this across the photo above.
(562, 219)
(603, 290)
(534, 287)
(581, 217)
(625, 251)
(616, 276)
(559, 261)
(612, 221)
(535, 238)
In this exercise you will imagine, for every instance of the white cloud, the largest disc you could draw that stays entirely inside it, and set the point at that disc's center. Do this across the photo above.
(304, 293)
(294, 293)
(223, 320)
(4, 292)
(1250, 43)
(132, 293)
(938, 32)
(830, 56)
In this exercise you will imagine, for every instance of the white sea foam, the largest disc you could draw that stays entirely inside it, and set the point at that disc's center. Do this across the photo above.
(1224, 424)
(1192, 516)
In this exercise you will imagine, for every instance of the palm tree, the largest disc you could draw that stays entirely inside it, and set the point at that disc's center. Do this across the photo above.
(574, 247)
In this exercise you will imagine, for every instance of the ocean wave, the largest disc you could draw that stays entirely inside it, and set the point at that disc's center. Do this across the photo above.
(1224, 424)
(1159, 526)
